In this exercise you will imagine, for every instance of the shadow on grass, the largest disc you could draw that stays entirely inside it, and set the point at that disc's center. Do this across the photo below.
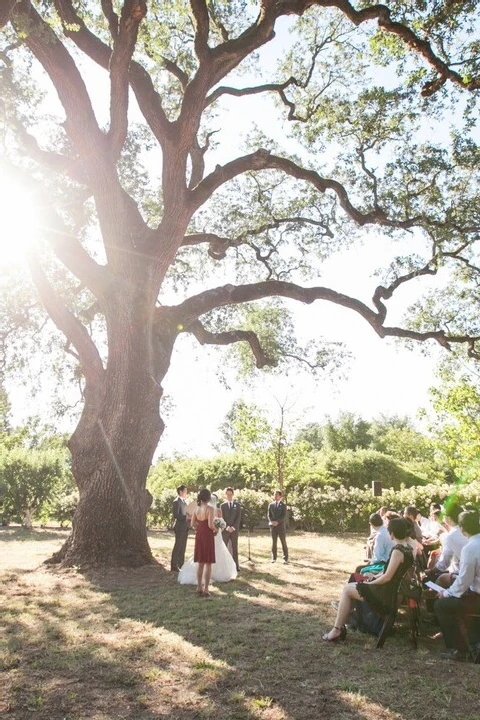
(135, 645)
(277, 661)
(21, 534)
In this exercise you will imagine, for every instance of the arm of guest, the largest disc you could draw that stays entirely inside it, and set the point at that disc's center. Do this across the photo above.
(395, 559)
(465, 577)
(446, 555)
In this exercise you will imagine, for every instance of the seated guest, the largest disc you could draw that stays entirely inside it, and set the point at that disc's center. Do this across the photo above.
(411, 513)
(381, 545)
(447, 563)
(432, 534)
(383, 513)
(380, 592)
(417, 548)
(463, 597)
(425, 522)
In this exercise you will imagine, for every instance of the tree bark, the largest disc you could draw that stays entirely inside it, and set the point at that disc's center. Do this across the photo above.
(113, 445)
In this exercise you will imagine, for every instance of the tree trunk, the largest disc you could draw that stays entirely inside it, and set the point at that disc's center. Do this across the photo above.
(27, 520)
(113, 446)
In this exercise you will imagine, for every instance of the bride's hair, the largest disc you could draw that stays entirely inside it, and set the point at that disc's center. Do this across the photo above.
(214, 500)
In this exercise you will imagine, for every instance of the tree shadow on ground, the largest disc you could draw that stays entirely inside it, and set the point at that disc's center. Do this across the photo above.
(21, 534)
(136, 645)
(277, 661)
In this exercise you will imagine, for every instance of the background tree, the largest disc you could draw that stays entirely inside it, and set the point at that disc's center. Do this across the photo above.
(128, 258)
(456, 428)
(31, 479)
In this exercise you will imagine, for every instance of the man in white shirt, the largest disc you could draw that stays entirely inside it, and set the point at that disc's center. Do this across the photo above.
(462, 599)
(448, 562)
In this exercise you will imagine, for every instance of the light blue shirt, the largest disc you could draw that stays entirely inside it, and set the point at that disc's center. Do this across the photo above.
(382, 547)
(469, 573)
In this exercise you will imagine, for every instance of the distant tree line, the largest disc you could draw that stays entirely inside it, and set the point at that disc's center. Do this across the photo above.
(325, 469)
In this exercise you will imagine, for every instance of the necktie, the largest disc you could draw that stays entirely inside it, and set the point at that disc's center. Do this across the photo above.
(230, 505)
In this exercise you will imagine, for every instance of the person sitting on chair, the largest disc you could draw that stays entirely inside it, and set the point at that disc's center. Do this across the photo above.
(463, 598)
(447, 563)
(381, 546)
(380, 593)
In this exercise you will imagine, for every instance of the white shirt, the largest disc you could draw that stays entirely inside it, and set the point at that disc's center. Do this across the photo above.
(469, 573)
(382, 546)
(449, 558)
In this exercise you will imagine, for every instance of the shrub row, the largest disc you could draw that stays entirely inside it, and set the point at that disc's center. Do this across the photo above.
(332, 509)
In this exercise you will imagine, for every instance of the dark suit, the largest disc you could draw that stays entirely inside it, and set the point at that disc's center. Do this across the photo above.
(179, 511)
(232, 516)
(278, 512)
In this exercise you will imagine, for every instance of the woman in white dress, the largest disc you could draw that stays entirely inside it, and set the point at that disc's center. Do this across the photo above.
(223, 570)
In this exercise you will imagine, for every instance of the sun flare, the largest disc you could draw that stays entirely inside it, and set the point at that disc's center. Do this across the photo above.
(18, 221)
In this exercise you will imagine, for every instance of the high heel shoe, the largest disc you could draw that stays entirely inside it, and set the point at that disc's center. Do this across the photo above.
(341, 636)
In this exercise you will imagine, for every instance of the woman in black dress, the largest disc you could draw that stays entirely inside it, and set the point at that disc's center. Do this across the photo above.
(380, 591)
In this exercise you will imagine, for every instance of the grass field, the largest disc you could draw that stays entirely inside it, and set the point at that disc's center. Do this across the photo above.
(135, 644)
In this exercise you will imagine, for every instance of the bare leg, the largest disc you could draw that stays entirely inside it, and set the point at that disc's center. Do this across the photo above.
(199, 577)
(208, 575)
(349, 594)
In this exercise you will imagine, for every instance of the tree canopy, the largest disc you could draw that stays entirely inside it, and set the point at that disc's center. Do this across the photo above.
(156, 225)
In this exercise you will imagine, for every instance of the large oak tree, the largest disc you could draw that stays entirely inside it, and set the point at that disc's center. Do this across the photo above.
(365, 80)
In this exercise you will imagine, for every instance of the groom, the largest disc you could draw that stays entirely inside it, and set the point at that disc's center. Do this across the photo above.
(232, 514)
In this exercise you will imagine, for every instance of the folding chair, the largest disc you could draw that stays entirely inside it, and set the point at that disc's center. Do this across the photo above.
(474, 645)
(409, 590)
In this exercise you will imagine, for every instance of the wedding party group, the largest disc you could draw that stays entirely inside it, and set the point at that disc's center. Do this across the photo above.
(215, 557)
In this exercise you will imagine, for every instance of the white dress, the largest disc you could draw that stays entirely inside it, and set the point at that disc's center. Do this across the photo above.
(223, 569)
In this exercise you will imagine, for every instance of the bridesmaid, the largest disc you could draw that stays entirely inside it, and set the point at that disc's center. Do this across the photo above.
(204, 553)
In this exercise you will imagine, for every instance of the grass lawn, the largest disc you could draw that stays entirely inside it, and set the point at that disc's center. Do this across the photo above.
(135, 644)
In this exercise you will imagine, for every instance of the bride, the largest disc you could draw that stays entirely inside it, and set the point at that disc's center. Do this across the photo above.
(223, 569)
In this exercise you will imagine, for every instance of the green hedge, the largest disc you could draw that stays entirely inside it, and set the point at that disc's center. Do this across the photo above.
(334, 509)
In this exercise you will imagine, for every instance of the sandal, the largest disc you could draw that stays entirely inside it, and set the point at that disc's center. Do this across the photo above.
(342, 635)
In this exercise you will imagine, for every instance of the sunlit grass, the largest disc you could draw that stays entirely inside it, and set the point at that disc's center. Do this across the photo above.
(135, 644)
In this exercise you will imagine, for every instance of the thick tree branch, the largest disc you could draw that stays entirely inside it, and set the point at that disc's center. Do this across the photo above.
(148, 99)
(69, 325)
(6, 10)
(49, 159)
(202, 27)
(197, 157)
(176, 71)
(196, 306)
(133, 11)
(264, 160)
(80, 124)
(383, 15)
(66, 246)
(205, 337)
(111, 16)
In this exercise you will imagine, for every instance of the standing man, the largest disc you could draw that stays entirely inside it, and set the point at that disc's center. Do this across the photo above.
(277, 513)
(232, 514)
(179, 511)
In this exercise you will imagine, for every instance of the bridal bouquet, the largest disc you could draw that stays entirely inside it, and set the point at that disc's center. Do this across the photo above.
(220, 523)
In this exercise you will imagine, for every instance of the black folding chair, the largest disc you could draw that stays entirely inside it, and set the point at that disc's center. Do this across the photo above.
(409, 592)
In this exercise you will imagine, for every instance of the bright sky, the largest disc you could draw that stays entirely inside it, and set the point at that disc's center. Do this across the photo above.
(384, 377)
